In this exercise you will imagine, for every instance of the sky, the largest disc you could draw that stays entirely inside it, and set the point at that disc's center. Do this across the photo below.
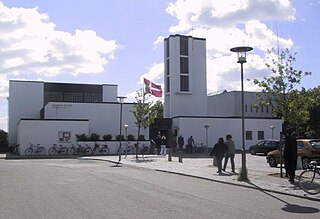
(121, 41)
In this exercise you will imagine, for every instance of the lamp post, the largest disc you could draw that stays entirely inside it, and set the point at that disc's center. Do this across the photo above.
(206, 127)
(241, 51)
(272, 131)
(126, 129)
(121, 101)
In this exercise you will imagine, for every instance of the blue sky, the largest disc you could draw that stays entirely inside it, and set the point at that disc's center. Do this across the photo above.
(121, 41)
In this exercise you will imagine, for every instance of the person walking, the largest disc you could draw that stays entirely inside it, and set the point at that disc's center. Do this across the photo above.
(290, 154)
(163, 145)
(190, 144)
(157, 141)
(230, 153)
(219, 150)
(180, 142)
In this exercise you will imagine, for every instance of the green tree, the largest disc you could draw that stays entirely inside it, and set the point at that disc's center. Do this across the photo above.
(278, 90)
(144, 113)
(314, 111)
(157, 107)
(3, 139)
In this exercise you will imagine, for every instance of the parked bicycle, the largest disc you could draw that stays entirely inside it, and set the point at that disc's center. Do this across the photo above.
(55, 150)
(143, 150)
(79, 150)
(127, 149)
(309, 180)
(199, 148)
(35, 150)
(104, 149)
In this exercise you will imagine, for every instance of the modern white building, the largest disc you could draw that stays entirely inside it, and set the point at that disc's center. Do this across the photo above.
(191, 109)
(53, 113)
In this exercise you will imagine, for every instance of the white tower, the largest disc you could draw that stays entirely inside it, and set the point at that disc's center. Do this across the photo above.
(185, 83)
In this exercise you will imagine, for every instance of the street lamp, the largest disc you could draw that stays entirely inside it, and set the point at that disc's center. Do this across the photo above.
(126, 128)
(241, 51)
(206, 127)
(272, 131)
(121, 101)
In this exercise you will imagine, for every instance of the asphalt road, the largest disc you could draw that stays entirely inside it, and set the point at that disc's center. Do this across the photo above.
(71, 188)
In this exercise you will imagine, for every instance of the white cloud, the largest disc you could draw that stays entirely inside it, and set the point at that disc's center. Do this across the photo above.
(226, 24)
(30, 43)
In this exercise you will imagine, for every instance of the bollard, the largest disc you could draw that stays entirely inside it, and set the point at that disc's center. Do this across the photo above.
(180, 156)
(170, 155)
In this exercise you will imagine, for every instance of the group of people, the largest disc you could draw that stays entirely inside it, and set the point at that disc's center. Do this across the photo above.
(224, 149)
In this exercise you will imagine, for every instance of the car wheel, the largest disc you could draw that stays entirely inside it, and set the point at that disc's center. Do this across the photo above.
(305, 162)
(272, 161)
(252, 152)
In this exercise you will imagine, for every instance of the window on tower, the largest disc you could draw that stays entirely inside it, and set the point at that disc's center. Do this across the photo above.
(184, 83)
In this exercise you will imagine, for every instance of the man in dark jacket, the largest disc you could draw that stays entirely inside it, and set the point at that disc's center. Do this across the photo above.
(219, 150)
(180, 142)
(290, 155)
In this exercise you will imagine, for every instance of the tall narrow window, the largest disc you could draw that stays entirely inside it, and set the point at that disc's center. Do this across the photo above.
(168, 84)
(184, 83)
(184, 46)
(168, 67)
(168, 48)
(184, 65)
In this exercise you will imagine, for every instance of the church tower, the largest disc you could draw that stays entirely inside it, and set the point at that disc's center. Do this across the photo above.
(185, 83)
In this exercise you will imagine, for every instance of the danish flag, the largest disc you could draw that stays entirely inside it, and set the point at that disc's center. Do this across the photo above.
(152, 88)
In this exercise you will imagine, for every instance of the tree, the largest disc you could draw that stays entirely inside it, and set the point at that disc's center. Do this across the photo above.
(278, 90)
(144, 113)
(157, 107)
(3, 139)
(314, 111)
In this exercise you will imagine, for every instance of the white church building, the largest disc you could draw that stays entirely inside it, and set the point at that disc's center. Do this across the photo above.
(49, 113)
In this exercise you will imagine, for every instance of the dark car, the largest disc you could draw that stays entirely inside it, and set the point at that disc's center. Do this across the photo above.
(308, 150)
(264, 147)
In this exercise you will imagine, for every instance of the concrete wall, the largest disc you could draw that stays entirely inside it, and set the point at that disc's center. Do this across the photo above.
(104, 118)
(25, 101)
(46, 132)
(220, 126)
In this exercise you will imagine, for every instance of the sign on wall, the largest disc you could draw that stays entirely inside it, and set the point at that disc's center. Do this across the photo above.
(64, 137)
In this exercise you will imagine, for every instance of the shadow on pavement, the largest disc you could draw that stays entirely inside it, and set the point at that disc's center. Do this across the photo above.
(292, 208)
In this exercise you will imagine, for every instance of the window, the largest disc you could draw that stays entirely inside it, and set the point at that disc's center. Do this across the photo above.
(168, 48)
(267, 109)
(168, 84)
(168, 67)
(261, 109)
(184, 83)
(184, 46)
(257, 109)
(260, 135)
(246, 108)
(251, 108)
(248, 135)
(184, 65)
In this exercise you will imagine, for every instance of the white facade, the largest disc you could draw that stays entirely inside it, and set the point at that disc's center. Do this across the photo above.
(219, 127)
(35, 115)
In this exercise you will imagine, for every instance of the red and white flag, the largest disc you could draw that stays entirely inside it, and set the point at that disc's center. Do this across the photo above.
(152, 88)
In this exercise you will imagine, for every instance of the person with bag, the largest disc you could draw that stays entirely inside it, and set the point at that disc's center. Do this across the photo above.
(290, 154)
(219, 150)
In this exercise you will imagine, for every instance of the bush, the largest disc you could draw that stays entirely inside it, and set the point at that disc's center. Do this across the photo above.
(107, 137)
(94, 137)
(81, 137)
(131, 138)
(141, 138)
(118, 137)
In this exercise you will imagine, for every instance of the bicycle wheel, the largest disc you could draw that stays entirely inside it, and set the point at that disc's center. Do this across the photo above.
(52, 151)
(309, 182)
(28, 151)
(130, 150)
(104, 150)
(88, 151)
(41, 151)
(63, 151)
(72, 151)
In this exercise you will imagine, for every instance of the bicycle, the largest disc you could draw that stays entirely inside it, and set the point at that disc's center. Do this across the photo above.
(101, 150)
(143, 150)
(55, 150)
(309, 180)
(199, 148)
(81, 150)
(35, 150)
(127, 150)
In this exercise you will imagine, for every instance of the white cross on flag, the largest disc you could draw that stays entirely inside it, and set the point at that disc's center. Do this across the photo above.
(152, 88)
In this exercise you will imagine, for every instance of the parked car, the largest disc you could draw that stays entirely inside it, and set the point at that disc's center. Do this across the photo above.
(308, 149)
(264, 147)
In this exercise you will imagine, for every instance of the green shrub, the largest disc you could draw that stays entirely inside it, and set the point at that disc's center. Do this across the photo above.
(131, 138)
(107, 137)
